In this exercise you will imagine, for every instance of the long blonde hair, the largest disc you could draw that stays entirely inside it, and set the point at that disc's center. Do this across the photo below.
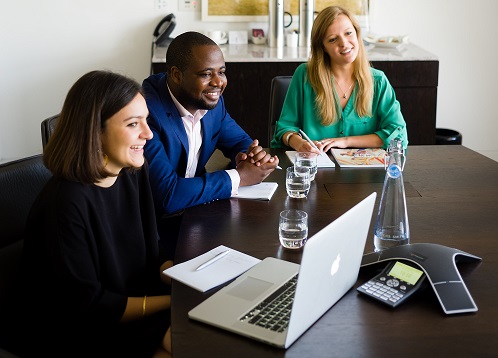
(320, 68)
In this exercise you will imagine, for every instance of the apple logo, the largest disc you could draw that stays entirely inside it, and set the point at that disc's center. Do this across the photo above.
(335, 265)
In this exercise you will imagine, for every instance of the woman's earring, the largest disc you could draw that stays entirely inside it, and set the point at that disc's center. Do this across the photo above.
(106, 160)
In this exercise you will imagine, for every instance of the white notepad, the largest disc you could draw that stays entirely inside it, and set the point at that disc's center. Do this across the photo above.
(323, 161)
(223, 270)
(261, 191)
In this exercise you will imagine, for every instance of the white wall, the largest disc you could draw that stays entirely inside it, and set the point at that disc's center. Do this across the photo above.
(46, 45)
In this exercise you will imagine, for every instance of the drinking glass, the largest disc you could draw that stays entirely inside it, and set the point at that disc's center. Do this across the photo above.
(293, 228)
(308, 160)
(297, 182)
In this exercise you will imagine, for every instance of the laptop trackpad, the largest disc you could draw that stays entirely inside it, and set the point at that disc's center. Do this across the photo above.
(249, 288)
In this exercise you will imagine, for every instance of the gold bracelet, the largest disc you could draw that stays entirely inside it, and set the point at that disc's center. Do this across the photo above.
(144, 304)
(287, 138)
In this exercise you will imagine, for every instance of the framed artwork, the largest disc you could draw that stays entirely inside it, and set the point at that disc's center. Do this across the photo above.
(229, 10)
(257, 10)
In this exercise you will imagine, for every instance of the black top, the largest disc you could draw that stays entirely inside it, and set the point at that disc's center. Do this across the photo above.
(87, 249)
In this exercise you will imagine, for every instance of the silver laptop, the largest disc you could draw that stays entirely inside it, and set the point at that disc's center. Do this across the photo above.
(329, 268)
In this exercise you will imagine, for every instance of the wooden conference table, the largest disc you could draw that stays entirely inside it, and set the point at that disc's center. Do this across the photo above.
(452, 199)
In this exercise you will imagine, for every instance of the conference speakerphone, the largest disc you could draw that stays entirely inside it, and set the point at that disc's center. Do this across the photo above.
(395, 284)
(438, 263)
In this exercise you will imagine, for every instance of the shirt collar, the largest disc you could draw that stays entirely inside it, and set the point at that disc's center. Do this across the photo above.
(183, 112)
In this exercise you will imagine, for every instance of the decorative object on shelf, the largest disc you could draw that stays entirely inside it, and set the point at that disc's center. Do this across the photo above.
(291, 39)
(258, 37)
(220, 37)
(276, 23)
(237, 37)
(396, 42)
(306, 18)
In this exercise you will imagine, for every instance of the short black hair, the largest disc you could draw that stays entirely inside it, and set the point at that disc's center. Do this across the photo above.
(179, 51)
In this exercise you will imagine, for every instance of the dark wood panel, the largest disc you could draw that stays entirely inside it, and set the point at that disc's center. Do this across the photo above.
(410, 73)
(248, 94)
(418, 106)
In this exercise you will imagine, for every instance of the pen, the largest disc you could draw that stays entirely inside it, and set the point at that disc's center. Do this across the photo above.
(310, 142)
(278, 167)
(213, 260)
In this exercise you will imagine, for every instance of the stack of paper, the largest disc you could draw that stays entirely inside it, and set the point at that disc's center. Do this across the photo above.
(217, 273)
(261, 191)
(323, 161)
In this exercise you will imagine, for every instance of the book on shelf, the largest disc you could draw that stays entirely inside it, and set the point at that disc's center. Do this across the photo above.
(359, 157)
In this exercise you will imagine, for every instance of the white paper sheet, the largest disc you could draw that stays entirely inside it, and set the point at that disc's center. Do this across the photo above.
(323, 161)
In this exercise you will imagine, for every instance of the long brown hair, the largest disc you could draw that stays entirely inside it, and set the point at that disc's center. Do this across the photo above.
(74, 151)
(320, 64)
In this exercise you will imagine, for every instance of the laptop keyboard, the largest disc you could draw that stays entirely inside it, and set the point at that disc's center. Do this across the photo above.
(274, 312)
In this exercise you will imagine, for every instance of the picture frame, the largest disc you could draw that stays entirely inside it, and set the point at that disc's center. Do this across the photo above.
(257, 10)
(242, 11)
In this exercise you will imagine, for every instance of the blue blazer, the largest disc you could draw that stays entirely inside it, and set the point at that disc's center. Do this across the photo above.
(167, 151)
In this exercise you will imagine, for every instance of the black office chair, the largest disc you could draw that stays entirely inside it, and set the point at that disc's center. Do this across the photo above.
(47, 128)
(278, 90)
(20, 182)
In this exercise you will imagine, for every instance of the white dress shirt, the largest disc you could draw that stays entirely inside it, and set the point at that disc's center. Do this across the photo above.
(192, 124)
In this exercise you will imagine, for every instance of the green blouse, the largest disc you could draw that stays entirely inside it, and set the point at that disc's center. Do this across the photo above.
(299, 112)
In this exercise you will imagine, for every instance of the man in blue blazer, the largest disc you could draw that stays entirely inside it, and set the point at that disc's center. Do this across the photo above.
(189, 122)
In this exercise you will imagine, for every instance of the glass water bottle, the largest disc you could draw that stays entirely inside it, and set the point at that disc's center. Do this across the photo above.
(391, 226)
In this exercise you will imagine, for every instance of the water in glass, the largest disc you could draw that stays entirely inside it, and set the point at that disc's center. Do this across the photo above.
(293, 228)
(297, 182)
(308, 160)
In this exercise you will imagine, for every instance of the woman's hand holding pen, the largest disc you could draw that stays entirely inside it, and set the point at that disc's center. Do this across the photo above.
(306, 147)
(309, 146)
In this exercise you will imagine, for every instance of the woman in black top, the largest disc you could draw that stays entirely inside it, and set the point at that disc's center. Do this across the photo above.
(94, 283)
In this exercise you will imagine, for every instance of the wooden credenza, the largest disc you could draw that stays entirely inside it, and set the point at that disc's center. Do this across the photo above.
(412, 71)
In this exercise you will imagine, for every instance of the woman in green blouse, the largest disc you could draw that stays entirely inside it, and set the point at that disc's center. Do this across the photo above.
(337, 98)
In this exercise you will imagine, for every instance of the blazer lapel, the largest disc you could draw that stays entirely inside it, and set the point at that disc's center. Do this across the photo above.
(173, 116)
(207, 147)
